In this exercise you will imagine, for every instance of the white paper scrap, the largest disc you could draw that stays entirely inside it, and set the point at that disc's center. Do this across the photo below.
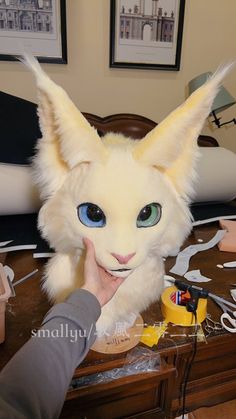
(15, 248)
(43, 255)
(211, 220)
(230, 264)
(9, 272)
(5, 243)
(168, 283)
(183, 258)
(196, 276)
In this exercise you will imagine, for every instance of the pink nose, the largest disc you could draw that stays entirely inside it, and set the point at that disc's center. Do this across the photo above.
(123, 259)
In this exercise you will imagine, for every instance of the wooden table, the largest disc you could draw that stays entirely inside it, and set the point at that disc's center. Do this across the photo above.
(150, 395)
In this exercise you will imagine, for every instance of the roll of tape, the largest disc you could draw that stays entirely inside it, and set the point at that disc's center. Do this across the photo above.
(178, 314)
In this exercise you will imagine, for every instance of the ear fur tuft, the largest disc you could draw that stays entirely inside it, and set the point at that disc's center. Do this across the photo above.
(67, 137)
(172, 145)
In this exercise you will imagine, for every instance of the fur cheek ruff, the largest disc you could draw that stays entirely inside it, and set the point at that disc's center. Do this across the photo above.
(121, 176)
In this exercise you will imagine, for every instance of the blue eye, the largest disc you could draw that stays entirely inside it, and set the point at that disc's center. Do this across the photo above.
(149, 215)
(91, 215)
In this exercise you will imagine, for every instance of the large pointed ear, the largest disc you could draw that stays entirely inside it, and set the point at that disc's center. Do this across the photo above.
(67, 137)
(172, 145)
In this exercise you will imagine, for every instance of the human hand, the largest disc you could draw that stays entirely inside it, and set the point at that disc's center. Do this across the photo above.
(98, 281)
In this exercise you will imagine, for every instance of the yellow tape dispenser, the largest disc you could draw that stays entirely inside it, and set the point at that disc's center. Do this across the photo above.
(179, 304)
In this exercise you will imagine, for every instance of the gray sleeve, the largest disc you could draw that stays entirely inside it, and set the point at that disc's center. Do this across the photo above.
(35, 381)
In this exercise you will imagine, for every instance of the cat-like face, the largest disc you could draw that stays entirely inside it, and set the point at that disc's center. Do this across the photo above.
(130, 198)
(128, 209)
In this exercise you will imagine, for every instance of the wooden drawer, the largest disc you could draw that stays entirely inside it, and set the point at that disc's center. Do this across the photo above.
(124, 397)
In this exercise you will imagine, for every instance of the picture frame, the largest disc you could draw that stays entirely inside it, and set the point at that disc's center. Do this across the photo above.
(146, 34)
(35, 27)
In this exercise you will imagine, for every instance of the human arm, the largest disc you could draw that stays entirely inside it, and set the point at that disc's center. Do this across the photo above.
(34, 383)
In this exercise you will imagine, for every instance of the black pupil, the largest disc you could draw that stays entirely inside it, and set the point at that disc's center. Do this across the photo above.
(145, 213)
(94, 213)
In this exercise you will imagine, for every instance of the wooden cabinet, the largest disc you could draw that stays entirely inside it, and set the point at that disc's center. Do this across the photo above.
(212, 381)
(213, 375)
(125, 397)
(151, 395)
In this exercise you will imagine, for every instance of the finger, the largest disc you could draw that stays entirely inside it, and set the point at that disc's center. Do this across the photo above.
(89, 248)
(90, 259)
(88, 243)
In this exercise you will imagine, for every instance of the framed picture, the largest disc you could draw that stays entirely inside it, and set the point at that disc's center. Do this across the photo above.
(35, 26)
(146, 34)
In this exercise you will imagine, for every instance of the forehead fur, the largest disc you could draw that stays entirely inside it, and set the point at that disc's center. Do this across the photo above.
(120, 181)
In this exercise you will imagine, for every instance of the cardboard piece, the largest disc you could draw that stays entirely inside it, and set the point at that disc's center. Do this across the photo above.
(121, 340)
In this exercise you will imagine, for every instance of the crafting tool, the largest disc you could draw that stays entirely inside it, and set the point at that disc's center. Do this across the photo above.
(224, 304)
(195, 292)
(204, 293)
(226, 316)
(233, 294)
(173, 311)
(212, 326)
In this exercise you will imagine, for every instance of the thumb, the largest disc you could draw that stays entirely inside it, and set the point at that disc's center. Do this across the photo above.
(89, 247)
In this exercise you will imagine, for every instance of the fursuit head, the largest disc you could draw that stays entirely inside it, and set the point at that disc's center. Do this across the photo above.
(130, 198)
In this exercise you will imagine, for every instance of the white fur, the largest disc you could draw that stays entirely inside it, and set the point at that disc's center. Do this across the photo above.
(74, 166)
